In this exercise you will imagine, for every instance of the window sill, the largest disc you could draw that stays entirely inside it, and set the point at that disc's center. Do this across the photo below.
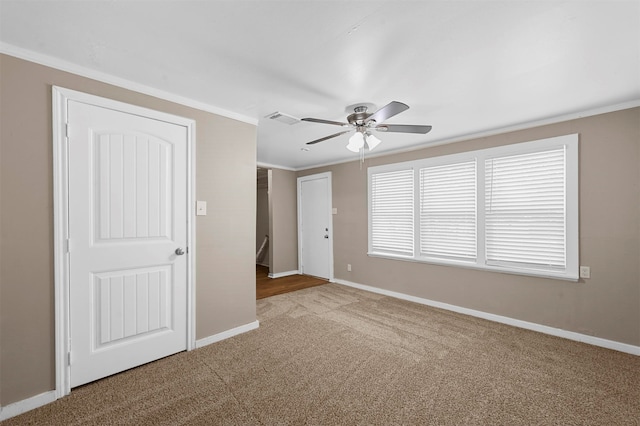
(488, 268)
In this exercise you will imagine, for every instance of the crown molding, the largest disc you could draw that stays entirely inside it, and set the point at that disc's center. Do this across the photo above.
(62, 65)
(492, 132)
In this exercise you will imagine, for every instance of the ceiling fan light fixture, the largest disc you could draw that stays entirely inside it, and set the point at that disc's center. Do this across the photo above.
(356, 142)
(372, 141)
(365, 123)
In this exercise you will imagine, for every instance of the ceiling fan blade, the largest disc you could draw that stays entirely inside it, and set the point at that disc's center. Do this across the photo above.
(403, 128)
(388, 111)
(328, 137)
(318, 120)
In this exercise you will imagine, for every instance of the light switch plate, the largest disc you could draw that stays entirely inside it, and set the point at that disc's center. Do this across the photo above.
(201, 208)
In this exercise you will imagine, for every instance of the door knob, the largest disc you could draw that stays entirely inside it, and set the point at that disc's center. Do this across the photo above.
(179, 251)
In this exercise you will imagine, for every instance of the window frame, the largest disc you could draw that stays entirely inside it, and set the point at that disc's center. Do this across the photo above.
(569, 142)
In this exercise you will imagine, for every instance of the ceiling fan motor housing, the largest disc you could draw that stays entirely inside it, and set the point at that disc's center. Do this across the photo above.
(359, 116)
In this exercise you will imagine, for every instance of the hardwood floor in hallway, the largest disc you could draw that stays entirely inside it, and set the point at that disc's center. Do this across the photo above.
(266, 286)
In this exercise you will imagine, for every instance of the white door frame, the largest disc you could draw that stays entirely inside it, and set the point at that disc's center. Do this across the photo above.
(60, 100)
(330, 213)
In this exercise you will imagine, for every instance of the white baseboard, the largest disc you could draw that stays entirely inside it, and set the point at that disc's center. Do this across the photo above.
(596, 341)
(226, 334)
(25, 405)
(283, 274)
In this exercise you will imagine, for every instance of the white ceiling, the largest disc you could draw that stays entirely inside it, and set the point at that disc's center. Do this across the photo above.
(464, 67)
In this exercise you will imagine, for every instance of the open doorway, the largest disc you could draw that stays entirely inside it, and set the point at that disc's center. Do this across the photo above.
(276, 235)
(262, 220)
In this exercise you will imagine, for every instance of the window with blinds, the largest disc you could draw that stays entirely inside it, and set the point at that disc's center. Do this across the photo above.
(510, 209)
(525, 210)
(391, 218)
(448, 211)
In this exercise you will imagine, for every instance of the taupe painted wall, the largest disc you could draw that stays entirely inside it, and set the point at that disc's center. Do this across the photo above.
(283, 218)
(226, 179)
(606, 306)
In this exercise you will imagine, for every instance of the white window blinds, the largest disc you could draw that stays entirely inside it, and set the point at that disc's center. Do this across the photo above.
(525, 210)
(448, 211)
(511, 208)
(391, 225)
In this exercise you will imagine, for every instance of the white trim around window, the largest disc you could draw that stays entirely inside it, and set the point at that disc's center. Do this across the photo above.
(511, 209)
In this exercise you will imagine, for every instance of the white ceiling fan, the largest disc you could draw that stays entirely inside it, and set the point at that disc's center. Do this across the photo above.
(363, 122)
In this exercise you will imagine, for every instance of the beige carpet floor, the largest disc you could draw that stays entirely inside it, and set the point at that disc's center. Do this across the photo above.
(332, 355)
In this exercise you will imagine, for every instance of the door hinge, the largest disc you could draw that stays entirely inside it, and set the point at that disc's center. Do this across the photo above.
(69, 358)
(68, 245)
(66, 130)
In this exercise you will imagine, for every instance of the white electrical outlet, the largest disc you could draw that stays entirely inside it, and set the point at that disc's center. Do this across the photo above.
(348, 267)
(585, 272)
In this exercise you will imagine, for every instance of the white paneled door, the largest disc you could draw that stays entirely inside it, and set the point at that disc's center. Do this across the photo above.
(315, 232)
(128, 236)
